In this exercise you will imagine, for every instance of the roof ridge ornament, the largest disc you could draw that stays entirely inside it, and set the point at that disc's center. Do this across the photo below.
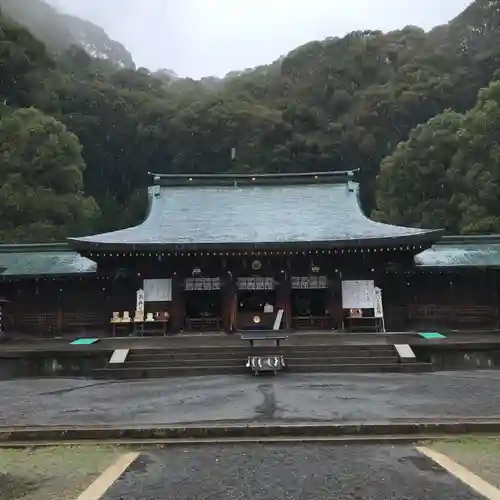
(239, 180)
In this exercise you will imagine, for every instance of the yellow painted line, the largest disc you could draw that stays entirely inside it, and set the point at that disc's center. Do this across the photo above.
(467, 477)
(97, 489)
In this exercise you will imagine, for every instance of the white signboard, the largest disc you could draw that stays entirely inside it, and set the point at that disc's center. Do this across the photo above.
(159, 290)
(139, 303)
(405, 351)
(357, 294)
(119, 356)
(378, 308)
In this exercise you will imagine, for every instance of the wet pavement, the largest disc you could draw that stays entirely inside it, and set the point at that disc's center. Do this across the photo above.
(241, 399)
(293, 472)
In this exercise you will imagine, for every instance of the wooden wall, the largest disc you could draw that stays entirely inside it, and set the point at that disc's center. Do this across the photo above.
(51, 307)
(430, 300)
(418, 300)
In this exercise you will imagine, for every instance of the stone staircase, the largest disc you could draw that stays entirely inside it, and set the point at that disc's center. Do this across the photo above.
(349, 359)
(223, 360)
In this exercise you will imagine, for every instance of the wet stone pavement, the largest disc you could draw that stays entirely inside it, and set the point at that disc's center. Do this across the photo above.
(239, 399)
(293, 472)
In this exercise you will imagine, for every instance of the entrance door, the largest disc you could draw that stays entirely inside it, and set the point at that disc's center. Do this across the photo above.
(310, 302)
(309, 309)
(203, 302)
(256, 303)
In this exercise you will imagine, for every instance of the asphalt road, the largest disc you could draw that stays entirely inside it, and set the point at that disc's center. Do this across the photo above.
(219, 399)
(294, 472)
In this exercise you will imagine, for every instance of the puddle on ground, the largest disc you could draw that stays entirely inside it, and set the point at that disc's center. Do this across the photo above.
(424, 464)
(140, 464)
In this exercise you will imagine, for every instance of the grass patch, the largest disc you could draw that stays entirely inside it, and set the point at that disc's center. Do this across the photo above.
(52, 473)
(479, 455)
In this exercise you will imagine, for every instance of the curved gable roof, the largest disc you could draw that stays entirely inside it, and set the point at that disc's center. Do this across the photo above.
(246, 211)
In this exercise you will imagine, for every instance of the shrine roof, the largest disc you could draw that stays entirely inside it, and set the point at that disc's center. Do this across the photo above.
(202, 212)
(42, 260)
(462, 251)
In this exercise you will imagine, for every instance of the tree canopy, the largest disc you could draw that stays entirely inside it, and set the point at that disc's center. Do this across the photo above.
(337, 104)
(41, 183)
(447, 175)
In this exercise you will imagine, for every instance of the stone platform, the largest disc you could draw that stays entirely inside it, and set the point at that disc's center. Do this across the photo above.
(313, 337)
(212, 354)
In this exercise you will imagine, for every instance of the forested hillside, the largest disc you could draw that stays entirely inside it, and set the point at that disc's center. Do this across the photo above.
(60, 31)
(340, 103)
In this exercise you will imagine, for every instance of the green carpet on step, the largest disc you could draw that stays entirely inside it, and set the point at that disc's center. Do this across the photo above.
(432, 335)
(84, 341)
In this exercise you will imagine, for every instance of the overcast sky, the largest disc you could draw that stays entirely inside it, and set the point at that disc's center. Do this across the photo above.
(211, 37)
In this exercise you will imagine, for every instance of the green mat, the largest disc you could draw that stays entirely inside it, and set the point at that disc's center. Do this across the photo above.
(84, 341)
(432, 335)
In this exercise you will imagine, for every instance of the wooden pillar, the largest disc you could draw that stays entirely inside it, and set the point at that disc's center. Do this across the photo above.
(59, 320)
(334, 302)
(452, 300)
(412, 286)
(233, 310)
(59, 313)
(178, 312)
(229, 303)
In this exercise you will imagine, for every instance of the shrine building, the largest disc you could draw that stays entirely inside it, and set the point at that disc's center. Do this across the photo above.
(227, 252)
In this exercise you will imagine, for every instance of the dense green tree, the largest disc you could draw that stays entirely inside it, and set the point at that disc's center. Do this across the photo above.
(448, 173)
(41, 196)
(476, 165)
(415, 185)
(24, 64)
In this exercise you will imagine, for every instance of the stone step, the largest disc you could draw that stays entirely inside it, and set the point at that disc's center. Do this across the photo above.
(243, 353)
(187, 371)
(329, 360)
(363, 368)
(240, 361)
(365, 354)
(170, 363)
(245, 347)
(135, 356)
